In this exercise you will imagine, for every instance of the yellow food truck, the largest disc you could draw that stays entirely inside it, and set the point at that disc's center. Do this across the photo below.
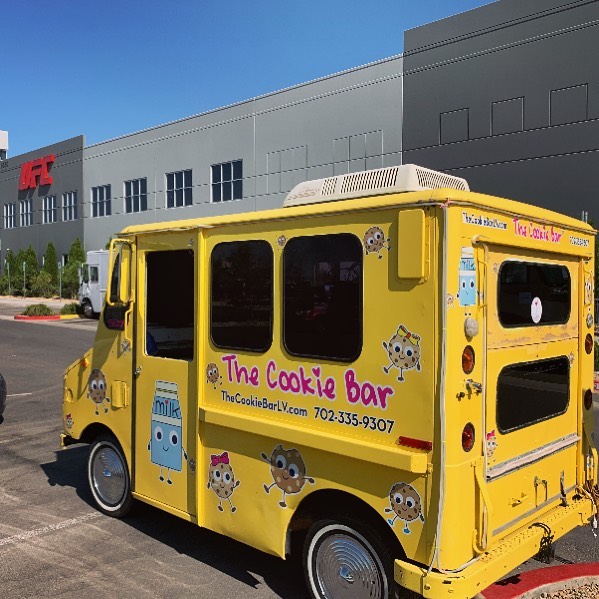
(389, 376)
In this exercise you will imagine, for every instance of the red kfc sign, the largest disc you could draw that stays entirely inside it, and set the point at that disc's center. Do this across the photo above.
(36, 172)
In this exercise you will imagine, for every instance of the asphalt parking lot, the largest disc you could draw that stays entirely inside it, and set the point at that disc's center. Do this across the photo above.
(53, 543)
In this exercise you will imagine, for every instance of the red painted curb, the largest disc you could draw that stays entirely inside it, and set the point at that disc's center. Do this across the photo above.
(514, 586)
(23, 317)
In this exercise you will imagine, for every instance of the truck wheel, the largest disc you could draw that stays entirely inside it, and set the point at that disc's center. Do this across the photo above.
(345, 561)
(108, 477)
(88, 310)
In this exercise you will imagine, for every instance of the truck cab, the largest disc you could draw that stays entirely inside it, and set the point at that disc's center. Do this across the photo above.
(93, 277)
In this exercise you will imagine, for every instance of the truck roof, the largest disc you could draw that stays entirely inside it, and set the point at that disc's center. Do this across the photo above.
(444, 196)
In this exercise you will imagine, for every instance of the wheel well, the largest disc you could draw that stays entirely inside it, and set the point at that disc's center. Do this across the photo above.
(92, 431)
(337, 505)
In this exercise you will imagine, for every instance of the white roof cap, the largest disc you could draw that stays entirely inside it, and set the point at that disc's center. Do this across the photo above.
(393, 179)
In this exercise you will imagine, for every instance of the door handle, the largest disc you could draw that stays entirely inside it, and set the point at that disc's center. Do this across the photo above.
(473, 386)
(518, 500)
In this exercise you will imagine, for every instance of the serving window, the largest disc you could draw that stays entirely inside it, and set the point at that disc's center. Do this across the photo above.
(322, 286)
(241, 304)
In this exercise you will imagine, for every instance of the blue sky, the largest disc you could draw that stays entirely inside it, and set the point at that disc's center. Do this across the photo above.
(104, 69)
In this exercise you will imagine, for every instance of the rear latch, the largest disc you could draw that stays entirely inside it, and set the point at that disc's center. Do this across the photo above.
(546, 549)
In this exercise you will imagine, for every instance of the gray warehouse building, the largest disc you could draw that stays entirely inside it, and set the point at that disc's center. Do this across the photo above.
(504, 95)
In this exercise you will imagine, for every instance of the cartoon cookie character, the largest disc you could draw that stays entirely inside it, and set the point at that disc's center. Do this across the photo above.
(375, 241)
(588, 290)
(212, 374)
(406, 504)
(404, 351)
(222, 479)
(282, 240)
(288, 470)
(492, 444)
(96, 390)
(166, 430)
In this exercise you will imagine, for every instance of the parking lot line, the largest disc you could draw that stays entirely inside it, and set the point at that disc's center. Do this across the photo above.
(36, 532)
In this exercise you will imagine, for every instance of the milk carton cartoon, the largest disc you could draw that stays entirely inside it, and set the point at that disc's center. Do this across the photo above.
(467, 279)
(166, 449)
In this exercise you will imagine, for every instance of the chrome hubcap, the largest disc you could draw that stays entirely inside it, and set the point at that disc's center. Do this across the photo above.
(344, 568)
(109, 476)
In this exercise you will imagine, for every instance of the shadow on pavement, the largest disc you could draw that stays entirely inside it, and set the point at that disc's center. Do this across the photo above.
(228, 556)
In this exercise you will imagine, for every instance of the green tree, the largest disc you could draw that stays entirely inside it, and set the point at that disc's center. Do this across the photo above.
(51, 262)
(10, 271)
(23, 284)
(70, 273)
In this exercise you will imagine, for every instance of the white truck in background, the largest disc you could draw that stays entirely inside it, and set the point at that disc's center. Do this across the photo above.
(93, 279)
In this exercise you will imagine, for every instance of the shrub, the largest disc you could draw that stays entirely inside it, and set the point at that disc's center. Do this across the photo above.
(38, 310)
(70, 308)
(596, 356)
(41, 284)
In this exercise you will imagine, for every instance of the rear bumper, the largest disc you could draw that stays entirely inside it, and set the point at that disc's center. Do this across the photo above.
(492, 565)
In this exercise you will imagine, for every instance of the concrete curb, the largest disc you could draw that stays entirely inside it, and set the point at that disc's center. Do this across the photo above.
(530, 585)
(23, 317)
(52, 317)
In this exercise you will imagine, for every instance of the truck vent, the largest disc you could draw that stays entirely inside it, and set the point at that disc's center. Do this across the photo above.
(328, 187)
(393, 179)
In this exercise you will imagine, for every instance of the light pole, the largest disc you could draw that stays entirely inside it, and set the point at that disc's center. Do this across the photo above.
(8, 269)
(24, 271)
(59, 280)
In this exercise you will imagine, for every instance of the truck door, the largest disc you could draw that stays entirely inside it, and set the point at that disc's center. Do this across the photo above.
(165, 381)
(532, 383)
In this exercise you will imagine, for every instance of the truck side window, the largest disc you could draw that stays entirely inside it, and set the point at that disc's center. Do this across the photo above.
(322, 314)
(93, 274)
(241, 295)
(531, 392)
(521, 283)
(170, 287)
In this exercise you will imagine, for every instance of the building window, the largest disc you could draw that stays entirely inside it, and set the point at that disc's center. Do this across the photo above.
(69, 205)
(26, 213)
(136, 195)
(241, 296)
(178, 189)
(227, 181)
(101, 201)
(322, 305)
(8, 213)
(49, 210)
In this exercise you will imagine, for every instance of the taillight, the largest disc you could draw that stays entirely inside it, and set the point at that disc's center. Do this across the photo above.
(468, 359)
(415, 443)
(588, 343)
(588, 399)
(468, 437)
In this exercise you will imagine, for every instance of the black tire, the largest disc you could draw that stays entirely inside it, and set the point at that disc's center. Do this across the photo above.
(88, 310)
(108, 477)
(333, 554)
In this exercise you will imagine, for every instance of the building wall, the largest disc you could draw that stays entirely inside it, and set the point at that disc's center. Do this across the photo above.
(313, 130)
(67, 176)
(507, 96)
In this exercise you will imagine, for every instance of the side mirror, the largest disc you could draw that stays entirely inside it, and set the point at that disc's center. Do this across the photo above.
(121, 258)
